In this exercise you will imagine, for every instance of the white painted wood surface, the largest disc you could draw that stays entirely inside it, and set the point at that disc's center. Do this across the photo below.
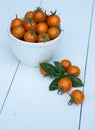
(25, 101)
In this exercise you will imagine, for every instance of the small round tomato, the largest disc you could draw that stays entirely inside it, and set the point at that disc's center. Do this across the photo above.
(64, 84)
(53, 32)
(75, 70)
(77, 97)
(39, 15)
(18, 31)
(30, 24)
(15, 22)
(66, 64)
(53, 20)
(42, 71)
(30, 36)
(43, 37)
(42, 27)
(28, 15)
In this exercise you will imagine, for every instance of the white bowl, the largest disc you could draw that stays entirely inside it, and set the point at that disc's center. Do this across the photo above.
(33, 53)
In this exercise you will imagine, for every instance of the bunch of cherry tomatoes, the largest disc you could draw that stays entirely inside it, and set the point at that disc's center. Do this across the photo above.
(64, 84)
(36, 26)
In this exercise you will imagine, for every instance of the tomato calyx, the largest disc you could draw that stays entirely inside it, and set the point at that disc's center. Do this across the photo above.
(53, 13)
(30, 21)
(71, 101)
(33, 32)
(16, 16)
(60, 91)
(38, 9)
(44, 36)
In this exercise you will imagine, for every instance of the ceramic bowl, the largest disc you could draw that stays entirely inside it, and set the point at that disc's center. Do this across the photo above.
(33, 53)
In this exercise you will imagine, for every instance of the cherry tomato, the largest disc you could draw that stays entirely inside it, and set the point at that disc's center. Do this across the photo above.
(42, 27)
(18, 31)
(30, 24)
(28, 15)
(15, 22)
(30, 36)
(42, 71)
(53, 20)
(39, 15)
(77, 97)
(53, 32)
(43, 37)
(65, 84)
(74, 70)
(66, 64)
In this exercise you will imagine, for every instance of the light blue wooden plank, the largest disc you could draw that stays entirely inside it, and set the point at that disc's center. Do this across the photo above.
(88, 118)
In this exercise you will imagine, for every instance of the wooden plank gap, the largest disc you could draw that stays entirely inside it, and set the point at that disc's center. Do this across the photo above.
(9, 88)
(86, 61)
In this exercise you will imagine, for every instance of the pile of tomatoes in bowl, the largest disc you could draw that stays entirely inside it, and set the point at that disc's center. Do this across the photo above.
(36, 26)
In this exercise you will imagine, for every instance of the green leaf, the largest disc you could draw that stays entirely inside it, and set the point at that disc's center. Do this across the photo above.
(54, 84)
(49, 68)
(69, 76)
(76, 82)
(59, 67)
(57, 75)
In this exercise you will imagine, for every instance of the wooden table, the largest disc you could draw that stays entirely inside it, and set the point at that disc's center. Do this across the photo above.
(25, 100)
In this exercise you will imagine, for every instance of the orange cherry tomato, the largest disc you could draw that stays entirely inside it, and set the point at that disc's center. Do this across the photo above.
(39, 15)
(30, 24)
(66, 64)
(43, 37)
(77, 97)
(42, 71)
(28, 15)
(53, 32)
(53, 20)
(42, 27)
(74, 70)
(15, 22)
(30, 36)
(65, 84)
(18, 31)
